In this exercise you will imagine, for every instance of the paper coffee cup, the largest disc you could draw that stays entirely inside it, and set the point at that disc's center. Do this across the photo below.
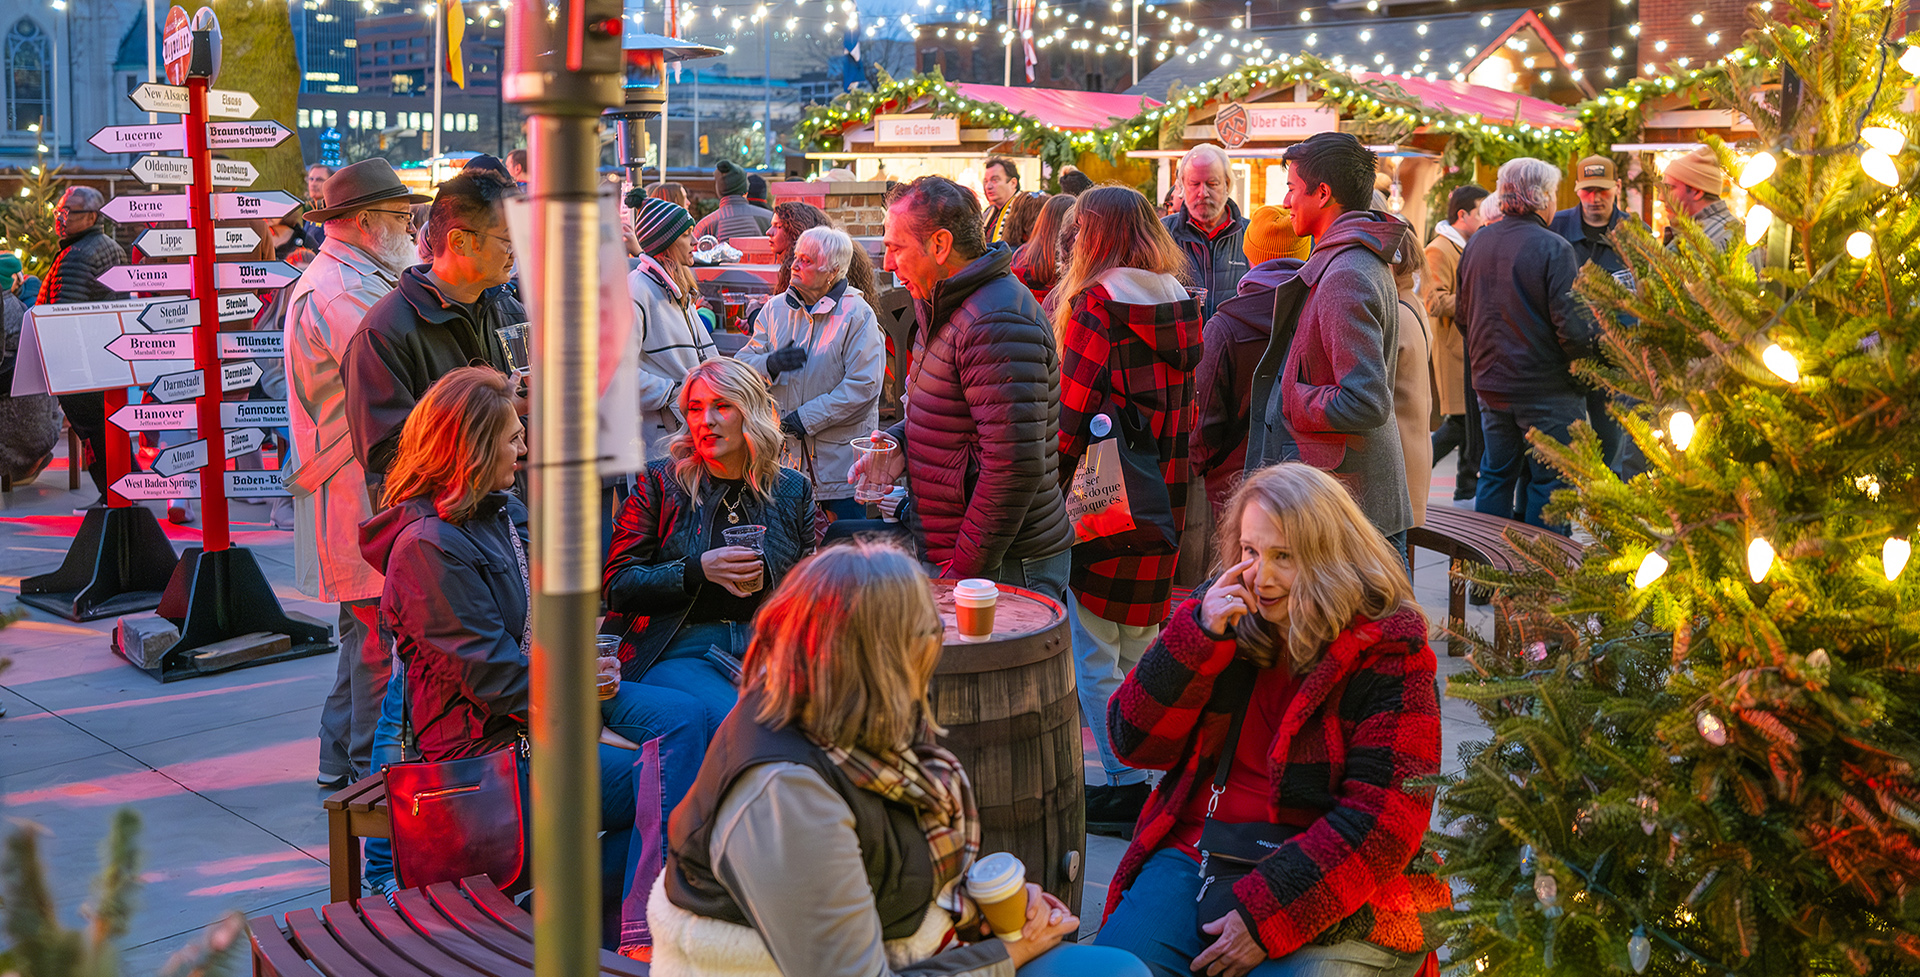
(974, 600)
(998, 883)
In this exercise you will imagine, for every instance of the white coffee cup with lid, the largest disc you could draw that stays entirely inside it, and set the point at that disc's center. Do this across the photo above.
(974, 600)
(998, 883)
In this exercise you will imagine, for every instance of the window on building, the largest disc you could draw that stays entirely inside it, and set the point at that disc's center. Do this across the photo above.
(305, 120)
(333, 118)
(29, 75)
(473, 122)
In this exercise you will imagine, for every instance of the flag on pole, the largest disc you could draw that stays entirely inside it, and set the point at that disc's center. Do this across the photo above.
(1024, 11)
(456, 18)
(852, 72)
(673, 30)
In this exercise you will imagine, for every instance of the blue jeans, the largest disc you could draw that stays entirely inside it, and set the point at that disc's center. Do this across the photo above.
(1506, 424)
(1155, 922)
(1073, 960)
(387, 748)
(845, 508)
(683, 667)
(1045, 575)
(1100, 664)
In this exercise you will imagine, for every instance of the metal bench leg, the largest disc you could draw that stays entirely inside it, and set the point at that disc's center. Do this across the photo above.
(1456, 609)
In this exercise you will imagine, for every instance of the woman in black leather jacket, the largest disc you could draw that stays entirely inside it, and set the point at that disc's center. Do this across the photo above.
(682, 597)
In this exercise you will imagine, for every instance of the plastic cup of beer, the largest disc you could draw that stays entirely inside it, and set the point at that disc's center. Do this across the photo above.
(872, 488)
(998, 884)
(735, 303)
(607, 664)
(1198, 295)
(974, 600)
(753, 538)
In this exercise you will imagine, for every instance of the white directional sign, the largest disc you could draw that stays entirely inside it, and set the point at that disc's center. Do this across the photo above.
(234, 240)
(170, 137)
(171, 314)
(224, 104)
(148, 278)
(145, 485)
(253, 413)
(221, 104)
(147, 209)
(177, 387)
(170, 170)
(153, 417)
(244, 441)
(242, 305)
(253, 274)
(255, 485)
(248, 345)
(246, 206)
(244, 135)
(234, 173)
(153, 346)
(165, 242)
(239, 375)
(182, 458)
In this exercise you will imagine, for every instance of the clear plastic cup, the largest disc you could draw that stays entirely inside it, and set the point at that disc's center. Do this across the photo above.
(607, 664)
(872, 488)
(753, 538)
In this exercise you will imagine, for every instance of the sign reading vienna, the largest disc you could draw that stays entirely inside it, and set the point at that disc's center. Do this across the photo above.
(253, 274)
(148, 278)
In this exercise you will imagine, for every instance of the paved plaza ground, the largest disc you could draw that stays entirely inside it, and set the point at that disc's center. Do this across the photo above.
(221, 769)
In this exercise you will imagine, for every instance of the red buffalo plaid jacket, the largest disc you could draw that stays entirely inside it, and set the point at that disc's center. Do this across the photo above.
(1130, 322)
(1362, 723)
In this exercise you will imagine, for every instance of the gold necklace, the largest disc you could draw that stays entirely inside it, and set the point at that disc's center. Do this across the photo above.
(733, 508)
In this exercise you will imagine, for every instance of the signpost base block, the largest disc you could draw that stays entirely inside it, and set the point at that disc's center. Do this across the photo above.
(119, 563)
(221, 596)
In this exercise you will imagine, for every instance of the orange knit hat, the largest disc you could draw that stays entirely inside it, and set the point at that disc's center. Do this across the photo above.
(1270, 235)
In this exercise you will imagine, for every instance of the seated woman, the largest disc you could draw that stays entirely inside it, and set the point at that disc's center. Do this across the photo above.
(1314, 641)
(829, 834)
(820, 347)
(456, 600)
(671, 565)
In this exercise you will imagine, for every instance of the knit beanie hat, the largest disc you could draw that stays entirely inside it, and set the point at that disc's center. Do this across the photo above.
(729, 180)
(757, 189)
(658, 223)
(1700, 170)
(1270, 235)
(9, 267)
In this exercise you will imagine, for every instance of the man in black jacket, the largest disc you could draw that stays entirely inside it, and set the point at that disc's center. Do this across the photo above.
(1589, 228)
(1524, 327)
(441, 317)
(981, 435)
(86, 252)
(1208, 226)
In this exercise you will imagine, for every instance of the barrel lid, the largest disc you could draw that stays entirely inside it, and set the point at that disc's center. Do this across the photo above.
(1028, 627)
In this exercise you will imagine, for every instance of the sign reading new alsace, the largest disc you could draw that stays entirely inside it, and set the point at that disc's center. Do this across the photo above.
(176, 242)
(915, 130)
(247, 206)
(154, 417)
(182, 458)
(249, 345)
(253, 413)
(253, 274)
(246, 135)
(148, 278)
(176, 387)
(147, 209)
(154, 346)
(221, 104)
(178, 171)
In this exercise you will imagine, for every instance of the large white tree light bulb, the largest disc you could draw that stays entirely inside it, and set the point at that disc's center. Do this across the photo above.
(1889, 141)
(1756, 170)
(1859, 245)
(1880, 166)
(1781, 363)
(1893, 556)
(1759, 558)
(1652, 567)
(1759, 219)
(1680, 429)
(1910, 61)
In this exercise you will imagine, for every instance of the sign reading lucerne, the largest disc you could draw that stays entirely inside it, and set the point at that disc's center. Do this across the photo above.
(169, 137)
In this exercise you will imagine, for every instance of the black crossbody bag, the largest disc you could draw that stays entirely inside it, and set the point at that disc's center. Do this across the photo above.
(1228, 852)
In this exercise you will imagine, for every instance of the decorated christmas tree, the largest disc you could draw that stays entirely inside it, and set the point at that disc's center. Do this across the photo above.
(1705, 734)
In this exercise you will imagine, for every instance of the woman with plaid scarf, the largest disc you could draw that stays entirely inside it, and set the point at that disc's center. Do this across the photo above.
(1129, 341)
(828, 833)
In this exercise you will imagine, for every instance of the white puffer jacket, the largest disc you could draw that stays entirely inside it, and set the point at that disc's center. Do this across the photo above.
(672, 341)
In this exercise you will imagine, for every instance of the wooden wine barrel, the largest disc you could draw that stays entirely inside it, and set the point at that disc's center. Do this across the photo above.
(1013, 718)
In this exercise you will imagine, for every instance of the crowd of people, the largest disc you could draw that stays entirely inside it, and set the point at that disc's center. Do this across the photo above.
(1302, 368)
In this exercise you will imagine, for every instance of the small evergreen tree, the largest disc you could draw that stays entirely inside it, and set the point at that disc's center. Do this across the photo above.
(1705, 735)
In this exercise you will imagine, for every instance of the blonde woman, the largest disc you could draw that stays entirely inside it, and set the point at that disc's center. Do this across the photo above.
(829, 832)
(1129, 342)
(666, 307)
(675, 588)
(1310, 655)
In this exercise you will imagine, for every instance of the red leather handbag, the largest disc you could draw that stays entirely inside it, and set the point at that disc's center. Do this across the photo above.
(456, 818)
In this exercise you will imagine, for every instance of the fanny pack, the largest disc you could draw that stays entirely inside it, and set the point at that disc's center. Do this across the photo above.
(1228, 852)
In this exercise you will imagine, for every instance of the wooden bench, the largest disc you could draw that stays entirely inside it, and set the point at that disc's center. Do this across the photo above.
(1460, 535)
(356, 811)
(466, 929)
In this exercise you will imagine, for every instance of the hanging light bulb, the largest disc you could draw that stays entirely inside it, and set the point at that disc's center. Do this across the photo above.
(1781, 363)
(1910, 61)
(1893, 556)
(1889, 141)
(1652, 567)
(1759, 218)
(1759, 558)
(1711, 728)
(1859, 245)
(1680, 429)
(1756, 170)
(1639, 950)
(1880, 166)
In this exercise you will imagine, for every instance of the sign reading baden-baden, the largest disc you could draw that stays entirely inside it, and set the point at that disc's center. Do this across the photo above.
(915, 130)
(255, 485)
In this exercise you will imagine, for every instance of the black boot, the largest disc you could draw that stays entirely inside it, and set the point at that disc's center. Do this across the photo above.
(1113, 810)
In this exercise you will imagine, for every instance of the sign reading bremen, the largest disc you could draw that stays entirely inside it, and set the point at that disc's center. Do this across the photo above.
(154, 346)
(253, 413)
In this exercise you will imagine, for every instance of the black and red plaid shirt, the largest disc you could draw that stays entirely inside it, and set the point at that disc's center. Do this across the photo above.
(1154, 349)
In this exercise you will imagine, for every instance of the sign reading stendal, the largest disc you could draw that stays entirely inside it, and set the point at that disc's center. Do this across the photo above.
(249, 345)
(253, 413)
(241, 305)
(171, 314)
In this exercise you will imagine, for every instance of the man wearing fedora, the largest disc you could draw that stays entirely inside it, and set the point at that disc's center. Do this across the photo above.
(369, 242)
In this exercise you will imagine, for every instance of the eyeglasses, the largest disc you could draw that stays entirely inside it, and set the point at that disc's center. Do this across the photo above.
(406, 215)
(504, 240)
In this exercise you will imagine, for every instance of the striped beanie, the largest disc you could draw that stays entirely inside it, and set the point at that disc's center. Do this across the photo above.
(658, 223)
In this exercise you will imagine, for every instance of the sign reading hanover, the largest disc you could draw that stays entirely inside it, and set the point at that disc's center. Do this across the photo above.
(148, 278)
(154, 346)
(145, 485)
(248, 345)
(253, 413)
(247, 206)
(245, 135)
(147, 209)
(253, 274)
(153, 417)
(176, 387)
(170, 137)
(182, 458)
(171, 314)
(239, 375)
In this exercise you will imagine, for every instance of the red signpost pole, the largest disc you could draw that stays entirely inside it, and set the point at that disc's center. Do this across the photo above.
(206, 336)
(119, 459)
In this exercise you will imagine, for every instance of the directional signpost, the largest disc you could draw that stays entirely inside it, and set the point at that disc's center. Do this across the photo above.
(121, 560)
